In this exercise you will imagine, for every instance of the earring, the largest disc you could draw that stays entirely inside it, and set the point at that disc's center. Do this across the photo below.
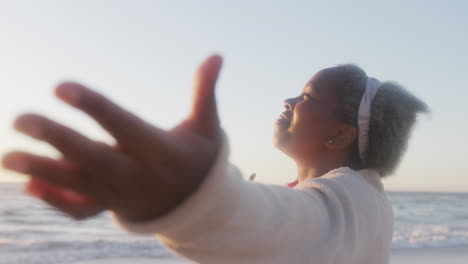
(330, 141)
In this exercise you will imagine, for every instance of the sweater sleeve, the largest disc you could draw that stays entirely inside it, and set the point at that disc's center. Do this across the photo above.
(230, 220)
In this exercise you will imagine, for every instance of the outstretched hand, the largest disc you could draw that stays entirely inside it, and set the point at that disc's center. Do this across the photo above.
(147, 173)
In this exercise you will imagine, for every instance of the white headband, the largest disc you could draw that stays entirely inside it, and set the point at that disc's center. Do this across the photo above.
(364, 114)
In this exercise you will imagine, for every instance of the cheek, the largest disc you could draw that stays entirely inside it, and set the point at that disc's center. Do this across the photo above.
(310, 121)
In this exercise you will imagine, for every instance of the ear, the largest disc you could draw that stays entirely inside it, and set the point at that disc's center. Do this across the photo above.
(343, 137)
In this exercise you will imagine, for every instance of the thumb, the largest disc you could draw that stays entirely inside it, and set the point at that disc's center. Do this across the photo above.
(204, 116)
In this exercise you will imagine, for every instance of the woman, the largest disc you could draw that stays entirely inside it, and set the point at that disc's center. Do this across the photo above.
(345, 131)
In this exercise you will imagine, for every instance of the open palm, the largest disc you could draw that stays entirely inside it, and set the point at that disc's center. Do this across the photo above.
(147, 173)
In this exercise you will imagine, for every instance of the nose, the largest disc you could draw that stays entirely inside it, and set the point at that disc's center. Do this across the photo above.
(289, 104)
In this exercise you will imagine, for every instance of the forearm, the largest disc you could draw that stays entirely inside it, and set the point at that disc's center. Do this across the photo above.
(228, 216)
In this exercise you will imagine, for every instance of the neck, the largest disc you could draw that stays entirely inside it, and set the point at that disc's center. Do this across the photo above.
(306, 173)
(309, 171)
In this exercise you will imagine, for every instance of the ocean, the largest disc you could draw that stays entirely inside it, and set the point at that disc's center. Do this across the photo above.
(32, 232)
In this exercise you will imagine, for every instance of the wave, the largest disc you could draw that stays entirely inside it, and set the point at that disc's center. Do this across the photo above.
(70, 251)
(429, 236)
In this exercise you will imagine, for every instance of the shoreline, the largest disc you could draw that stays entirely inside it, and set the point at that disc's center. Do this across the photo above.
(454, 255)
(169, 260)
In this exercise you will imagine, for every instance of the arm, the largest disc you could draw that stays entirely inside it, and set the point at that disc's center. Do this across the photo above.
(165, 175)
(230, 220)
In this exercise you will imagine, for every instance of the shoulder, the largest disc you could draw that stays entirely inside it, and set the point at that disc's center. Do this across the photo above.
(347, 184)
(340, 176)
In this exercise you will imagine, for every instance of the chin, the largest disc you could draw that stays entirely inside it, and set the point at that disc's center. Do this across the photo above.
(280, 139)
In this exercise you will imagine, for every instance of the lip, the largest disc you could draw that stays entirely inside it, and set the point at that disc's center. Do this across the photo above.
(283, 121)
(287, 115)
(283, 116)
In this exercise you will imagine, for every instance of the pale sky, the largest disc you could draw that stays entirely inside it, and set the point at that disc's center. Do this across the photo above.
(143, 55)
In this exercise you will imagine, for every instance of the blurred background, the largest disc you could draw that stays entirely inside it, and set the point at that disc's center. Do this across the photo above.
(143, 55)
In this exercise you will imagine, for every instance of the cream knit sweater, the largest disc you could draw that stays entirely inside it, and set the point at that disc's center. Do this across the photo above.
(341, 217)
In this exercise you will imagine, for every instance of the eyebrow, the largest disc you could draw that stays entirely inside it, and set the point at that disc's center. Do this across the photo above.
(316, 88)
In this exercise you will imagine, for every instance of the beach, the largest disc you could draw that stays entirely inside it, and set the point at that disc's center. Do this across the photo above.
(429, 228)
(133, 261)
(430, 256)
(399, 256)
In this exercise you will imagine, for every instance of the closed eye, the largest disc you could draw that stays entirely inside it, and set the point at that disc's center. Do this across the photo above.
(308, 96)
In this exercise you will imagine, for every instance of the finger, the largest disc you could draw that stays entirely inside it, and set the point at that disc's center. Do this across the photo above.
(69, 142)
(73, 145)
(58, 172)
(130, 131)
(204, 115)
(72, 203)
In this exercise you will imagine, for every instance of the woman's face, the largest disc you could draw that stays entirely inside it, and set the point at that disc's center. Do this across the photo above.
(309, 122)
